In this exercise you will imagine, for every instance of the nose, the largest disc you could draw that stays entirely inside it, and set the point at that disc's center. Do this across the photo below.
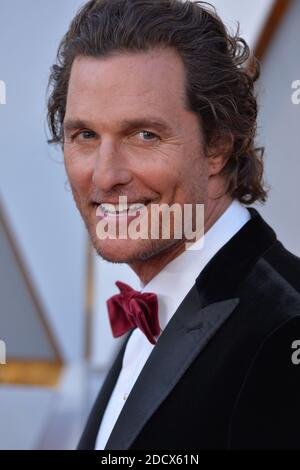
(110, 168)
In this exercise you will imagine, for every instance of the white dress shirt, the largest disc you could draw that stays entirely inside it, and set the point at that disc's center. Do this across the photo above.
(171, 285)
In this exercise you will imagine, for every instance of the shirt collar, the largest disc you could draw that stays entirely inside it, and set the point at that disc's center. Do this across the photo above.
(174, 281)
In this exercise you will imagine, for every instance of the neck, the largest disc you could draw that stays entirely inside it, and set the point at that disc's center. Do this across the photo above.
(147, 270)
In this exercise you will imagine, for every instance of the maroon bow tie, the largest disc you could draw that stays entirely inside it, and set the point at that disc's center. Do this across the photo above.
(131, 308)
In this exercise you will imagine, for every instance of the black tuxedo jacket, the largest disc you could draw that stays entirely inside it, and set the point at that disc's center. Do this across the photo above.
(223, 374)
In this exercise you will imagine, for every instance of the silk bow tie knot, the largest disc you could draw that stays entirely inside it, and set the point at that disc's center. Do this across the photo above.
(130, 309)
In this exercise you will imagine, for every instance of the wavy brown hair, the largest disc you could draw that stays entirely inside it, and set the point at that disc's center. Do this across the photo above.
(219, 83)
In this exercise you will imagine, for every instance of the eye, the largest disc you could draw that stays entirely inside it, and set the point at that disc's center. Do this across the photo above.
(86, 135)
(147, 135)
(82, 136)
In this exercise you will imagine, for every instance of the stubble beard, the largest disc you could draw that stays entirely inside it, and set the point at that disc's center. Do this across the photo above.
(146, 250)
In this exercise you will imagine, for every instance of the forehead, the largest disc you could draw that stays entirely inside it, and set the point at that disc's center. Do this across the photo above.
(127, 82)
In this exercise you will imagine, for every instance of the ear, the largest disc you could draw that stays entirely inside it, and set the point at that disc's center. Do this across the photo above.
(218, 154)
(216, 164)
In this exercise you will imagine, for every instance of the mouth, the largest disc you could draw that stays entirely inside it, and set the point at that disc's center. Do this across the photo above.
(108, 209)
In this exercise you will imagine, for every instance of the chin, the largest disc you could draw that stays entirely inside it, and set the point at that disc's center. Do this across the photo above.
(119, 251)
(130, 251)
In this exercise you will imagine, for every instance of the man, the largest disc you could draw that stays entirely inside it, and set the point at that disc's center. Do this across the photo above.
(152, 101)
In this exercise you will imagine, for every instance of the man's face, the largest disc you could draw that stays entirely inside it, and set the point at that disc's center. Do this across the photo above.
(128, 133)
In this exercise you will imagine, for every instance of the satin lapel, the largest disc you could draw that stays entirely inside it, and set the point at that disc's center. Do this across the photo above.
(187, 333)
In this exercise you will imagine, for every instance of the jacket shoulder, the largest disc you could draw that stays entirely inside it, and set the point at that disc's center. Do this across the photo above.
(285, 263)
(267, 410)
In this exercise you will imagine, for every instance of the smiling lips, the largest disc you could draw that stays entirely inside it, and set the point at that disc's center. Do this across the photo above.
(120, 210)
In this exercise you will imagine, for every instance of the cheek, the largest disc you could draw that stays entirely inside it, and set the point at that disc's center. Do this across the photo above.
(162, 180)
(79, 172)
(163, 171)
(192, 179)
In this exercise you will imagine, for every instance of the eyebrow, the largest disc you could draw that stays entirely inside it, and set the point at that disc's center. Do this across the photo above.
(71, 124)
(127, 124)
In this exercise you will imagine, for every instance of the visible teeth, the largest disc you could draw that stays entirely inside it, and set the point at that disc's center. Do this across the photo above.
(113, 209)
(135, 207)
